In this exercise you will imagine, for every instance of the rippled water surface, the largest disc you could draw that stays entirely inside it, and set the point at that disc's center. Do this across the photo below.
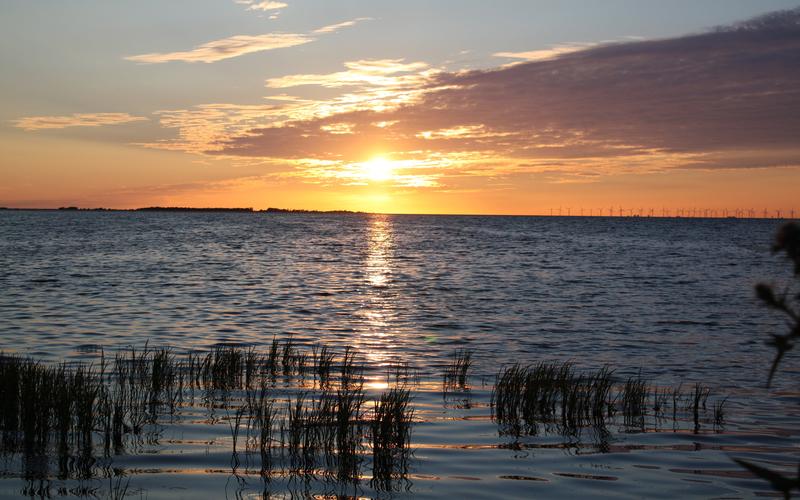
(670, 297)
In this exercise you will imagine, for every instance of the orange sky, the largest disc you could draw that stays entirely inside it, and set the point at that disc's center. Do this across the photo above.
(707, 120)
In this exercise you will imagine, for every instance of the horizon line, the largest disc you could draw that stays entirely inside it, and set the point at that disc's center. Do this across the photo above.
(775, 214)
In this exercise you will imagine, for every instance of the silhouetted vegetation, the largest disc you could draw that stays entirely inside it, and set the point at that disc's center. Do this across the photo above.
(72, 413)
(785, 300)
(390, 430)
(192, 209)
(327, 425)
(556, 394)
(455, 375)
(273, 210)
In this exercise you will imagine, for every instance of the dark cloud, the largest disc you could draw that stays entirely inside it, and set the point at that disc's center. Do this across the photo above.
(728, 96)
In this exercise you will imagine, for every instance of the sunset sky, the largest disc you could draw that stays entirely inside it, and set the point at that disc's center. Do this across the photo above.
(514, 107)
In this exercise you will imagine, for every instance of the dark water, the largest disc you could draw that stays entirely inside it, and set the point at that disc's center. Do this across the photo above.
(670, 297)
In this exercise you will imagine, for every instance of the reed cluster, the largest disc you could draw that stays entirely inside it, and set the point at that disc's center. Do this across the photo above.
(390, 430)
(556, 393)
(44, 405)
(70, 413)
(457, 372)
(325, 430)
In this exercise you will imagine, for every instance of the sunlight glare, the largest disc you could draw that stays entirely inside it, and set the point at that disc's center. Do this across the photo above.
(378, 169)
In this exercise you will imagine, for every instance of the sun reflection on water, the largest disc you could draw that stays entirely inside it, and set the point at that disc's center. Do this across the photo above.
(378, 307)
(378, 265)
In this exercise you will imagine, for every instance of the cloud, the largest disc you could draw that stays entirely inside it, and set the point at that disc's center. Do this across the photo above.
(461, 132)
(383, 72)
(33, 123)
(240, 45)
(726, 98)
(374, 86)
(262, 6)
(336, 27)
(545, 54)
(205, 127)
(227, 48)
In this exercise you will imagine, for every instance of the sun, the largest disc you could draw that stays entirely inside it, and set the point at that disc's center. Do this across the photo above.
(377, 169)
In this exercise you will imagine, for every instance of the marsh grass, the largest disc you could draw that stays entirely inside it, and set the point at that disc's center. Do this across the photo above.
(67, 412)
(457, 372)
(352, 372)
(401, 373)
(235, 424)
(288, 357)
(70, 413)
(634, 401)
(719, 412)
(272, 357)
(390, 432)
(556, 394)
(323, 359)
(117, 490)
(265, 419)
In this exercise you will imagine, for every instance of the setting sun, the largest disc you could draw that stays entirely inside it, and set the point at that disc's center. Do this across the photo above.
(378, 169)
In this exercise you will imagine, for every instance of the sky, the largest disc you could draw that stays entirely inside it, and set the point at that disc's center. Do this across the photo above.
(474, 107)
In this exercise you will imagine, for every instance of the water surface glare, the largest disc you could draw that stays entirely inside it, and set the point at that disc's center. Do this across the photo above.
(670, 297)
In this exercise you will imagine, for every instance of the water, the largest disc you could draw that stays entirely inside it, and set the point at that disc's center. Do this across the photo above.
(670, 297)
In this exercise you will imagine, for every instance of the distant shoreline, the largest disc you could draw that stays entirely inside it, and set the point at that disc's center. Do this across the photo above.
(279, 211)
(188, 209)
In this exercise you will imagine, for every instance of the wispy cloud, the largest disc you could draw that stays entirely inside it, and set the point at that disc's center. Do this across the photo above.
(545, 54)
(382, 72)
(206, 127)
(227, 48)
(33, 123)
(263, 6)
(239, 45)
(336, 27)
(372, 85)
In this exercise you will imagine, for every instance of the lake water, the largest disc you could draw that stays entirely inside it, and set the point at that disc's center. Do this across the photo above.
(670, 298)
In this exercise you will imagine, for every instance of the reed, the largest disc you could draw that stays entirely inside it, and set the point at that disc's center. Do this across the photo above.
(390, 432)
(635, 395)
(323, 363)
(287, 357)
(351, 371)
(252, 366)
(698, 399)
(272, 360)
(677, 394)
(299, 437)
(719, 412)
(456, 373)
(226, 368)
(265, 419)
(347, 416)
(117, 490)
(235, 423)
